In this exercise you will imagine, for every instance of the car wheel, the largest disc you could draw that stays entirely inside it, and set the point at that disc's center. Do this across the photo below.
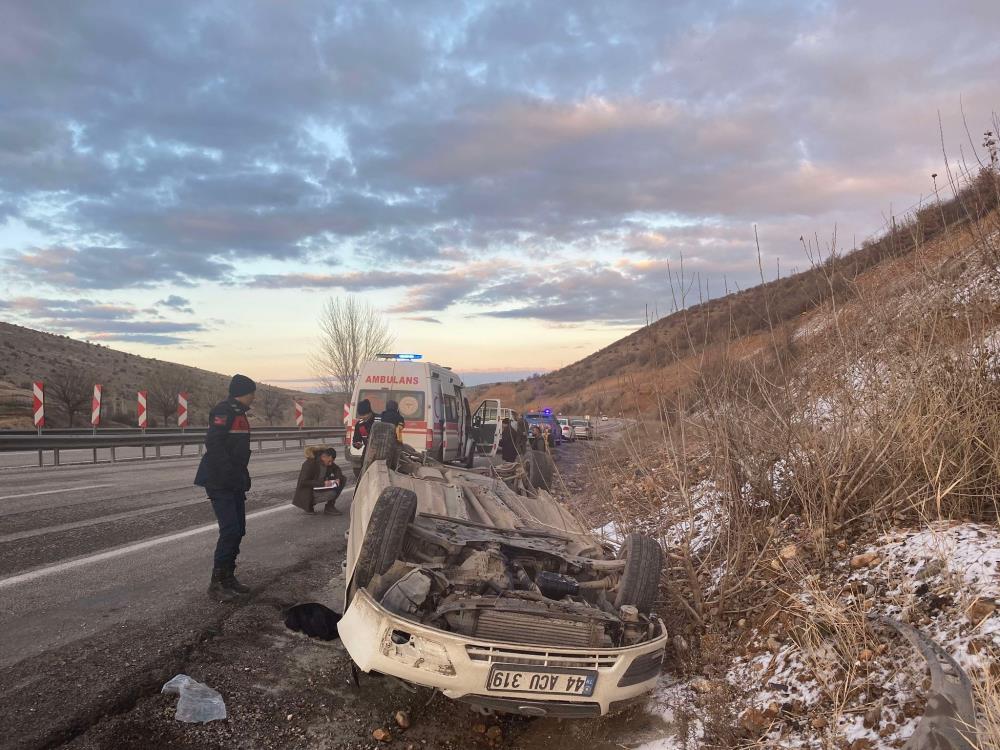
(540, 469)
(640, 581)
(382, 446)
(394, 511)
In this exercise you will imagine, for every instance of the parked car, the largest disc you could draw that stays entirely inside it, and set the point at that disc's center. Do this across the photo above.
(490, 590)
(566, 429)
(548, 423)
(582, 428)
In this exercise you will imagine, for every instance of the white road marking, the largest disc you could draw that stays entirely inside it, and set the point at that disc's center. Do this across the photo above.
(17, 536)
(55, 492)
(32, 575)
(110, 554)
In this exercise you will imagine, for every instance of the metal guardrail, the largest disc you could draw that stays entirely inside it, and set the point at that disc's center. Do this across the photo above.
(147, 440)
(139, 431)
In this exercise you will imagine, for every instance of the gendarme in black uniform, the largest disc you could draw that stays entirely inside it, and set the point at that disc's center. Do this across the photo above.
(224, 475)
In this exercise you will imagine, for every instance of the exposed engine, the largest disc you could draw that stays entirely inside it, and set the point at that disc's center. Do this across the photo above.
(507, 586)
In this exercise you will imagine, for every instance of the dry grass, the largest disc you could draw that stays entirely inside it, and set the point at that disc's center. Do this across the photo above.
(988, 706)
(883, 410)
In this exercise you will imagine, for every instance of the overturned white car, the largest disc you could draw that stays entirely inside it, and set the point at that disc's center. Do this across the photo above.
(478, 584)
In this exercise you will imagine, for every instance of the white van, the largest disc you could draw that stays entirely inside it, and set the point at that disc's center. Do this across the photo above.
(431, 399)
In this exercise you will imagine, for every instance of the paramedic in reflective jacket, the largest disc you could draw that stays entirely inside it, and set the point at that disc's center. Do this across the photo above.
(223, 473)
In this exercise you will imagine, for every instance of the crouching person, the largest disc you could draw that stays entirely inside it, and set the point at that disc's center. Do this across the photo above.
(320, 481)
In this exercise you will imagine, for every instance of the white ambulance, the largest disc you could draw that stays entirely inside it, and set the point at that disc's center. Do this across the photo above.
(431, 399)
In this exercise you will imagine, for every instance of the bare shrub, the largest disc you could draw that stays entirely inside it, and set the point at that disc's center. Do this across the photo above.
(272, 403)
(70, 390)
(166, 382)
(351, 333)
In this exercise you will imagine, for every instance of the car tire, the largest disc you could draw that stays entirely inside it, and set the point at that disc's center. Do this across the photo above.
(382, 446)
(394, 511)
(540, 469)
(640, 581)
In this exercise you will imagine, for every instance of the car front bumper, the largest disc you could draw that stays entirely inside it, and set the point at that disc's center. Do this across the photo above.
(380, 641)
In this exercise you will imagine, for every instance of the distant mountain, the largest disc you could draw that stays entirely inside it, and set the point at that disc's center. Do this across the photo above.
(27, 355)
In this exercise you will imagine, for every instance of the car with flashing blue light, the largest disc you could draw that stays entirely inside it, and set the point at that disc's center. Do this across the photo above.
(549, 424)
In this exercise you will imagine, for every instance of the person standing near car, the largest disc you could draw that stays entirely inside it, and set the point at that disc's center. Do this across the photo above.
(224, 475)
(508, 444)
(363, 427)
(362, 431)
(392, 416)
(537, 441)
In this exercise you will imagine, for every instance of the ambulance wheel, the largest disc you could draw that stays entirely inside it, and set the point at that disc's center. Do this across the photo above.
(382, 446)
(640, 581)
(394, 511)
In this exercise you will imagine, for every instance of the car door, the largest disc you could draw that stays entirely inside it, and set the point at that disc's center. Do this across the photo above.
(486, 426)
(438, 426)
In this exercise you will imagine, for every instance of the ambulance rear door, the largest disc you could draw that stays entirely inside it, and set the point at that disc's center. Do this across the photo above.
(486, 426)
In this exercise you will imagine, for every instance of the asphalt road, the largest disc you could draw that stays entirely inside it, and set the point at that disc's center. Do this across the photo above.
(118, 557)
(103, 571)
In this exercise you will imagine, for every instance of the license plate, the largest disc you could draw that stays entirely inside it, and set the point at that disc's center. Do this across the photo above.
(520, 678)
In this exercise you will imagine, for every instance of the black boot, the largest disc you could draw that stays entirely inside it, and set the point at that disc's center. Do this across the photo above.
(220, 589)
(231, 581)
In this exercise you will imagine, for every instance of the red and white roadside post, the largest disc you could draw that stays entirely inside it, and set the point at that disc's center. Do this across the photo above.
(95, 411)
(95, 407)
(300, 419)
(38, 405)
(141, 414)
(141, 410)
(182, 410)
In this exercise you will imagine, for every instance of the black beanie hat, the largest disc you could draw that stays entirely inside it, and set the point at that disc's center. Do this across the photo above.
(364, 407)
(241, 385)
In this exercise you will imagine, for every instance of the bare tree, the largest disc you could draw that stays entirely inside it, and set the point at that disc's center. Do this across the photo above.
(272, 403)
(352, 332)
(70, 390)
(164, 385)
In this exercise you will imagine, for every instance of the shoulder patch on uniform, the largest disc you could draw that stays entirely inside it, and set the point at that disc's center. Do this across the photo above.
(219, 419)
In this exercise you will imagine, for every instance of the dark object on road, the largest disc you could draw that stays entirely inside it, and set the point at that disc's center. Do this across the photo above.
(318, 469)
(314, 620)
(224, 475)
(949, 720)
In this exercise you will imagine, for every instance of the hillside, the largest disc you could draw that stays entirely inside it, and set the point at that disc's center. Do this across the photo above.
(825, 487)
(635, 373)
(27, 355)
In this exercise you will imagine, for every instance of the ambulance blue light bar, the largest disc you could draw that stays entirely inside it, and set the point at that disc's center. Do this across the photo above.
(406, 357)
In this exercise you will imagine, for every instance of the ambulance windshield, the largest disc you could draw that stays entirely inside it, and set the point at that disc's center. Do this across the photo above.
(411, 403)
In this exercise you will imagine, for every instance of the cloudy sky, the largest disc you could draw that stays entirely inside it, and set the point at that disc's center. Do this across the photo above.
(511, 182)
